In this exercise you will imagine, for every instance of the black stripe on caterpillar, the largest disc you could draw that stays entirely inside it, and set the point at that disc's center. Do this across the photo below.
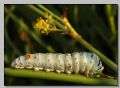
(85, 63)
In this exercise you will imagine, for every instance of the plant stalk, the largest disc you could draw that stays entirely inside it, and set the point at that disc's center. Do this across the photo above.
(79, 79)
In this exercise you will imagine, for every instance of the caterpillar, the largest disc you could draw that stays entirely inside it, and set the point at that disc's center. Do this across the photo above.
(85, 63)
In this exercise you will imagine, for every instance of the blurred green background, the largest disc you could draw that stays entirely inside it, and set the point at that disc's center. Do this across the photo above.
(97, 24)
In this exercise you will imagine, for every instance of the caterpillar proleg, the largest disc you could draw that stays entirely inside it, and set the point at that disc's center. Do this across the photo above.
(85, 63)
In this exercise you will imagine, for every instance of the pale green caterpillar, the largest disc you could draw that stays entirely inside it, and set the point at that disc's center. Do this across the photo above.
(85, 63)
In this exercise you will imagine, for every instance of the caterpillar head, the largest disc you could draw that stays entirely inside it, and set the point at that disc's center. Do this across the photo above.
(18, 62)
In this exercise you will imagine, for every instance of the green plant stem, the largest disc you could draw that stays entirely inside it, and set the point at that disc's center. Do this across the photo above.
(77, 37)
(6, 32)
(111, 20)
(48, 11)
(80, 79)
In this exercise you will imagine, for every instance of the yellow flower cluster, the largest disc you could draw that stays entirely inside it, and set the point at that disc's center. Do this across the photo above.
(45, 26)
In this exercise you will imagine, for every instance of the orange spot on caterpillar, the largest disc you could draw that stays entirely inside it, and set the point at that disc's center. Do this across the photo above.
(58, 60)
(48, 60)
(28, 56)
(58, 53)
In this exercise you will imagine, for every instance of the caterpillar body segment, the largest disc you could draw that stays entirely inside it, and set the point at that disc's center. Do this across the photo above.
(39, 61)
(50, 62)
(85, 63)
(30, 61)
(76, 62)
(68, 64)
(60, 64)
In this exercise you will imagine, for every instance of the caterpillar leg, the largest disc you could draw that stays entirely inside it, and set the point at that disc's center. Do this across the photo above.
(86, 74)
(90, 73)
(83, 67)
(47, 70)
(51, 69)
(28, 66)
(21, 67)
(36, 69)
(68, 72)
(40, 69)
(62, 70)
(58, 71)
(16, 66)
(97, 76)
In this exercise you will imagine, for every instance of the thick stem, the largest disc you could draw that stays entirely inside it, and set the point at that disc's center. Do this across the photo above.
(80, 79)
